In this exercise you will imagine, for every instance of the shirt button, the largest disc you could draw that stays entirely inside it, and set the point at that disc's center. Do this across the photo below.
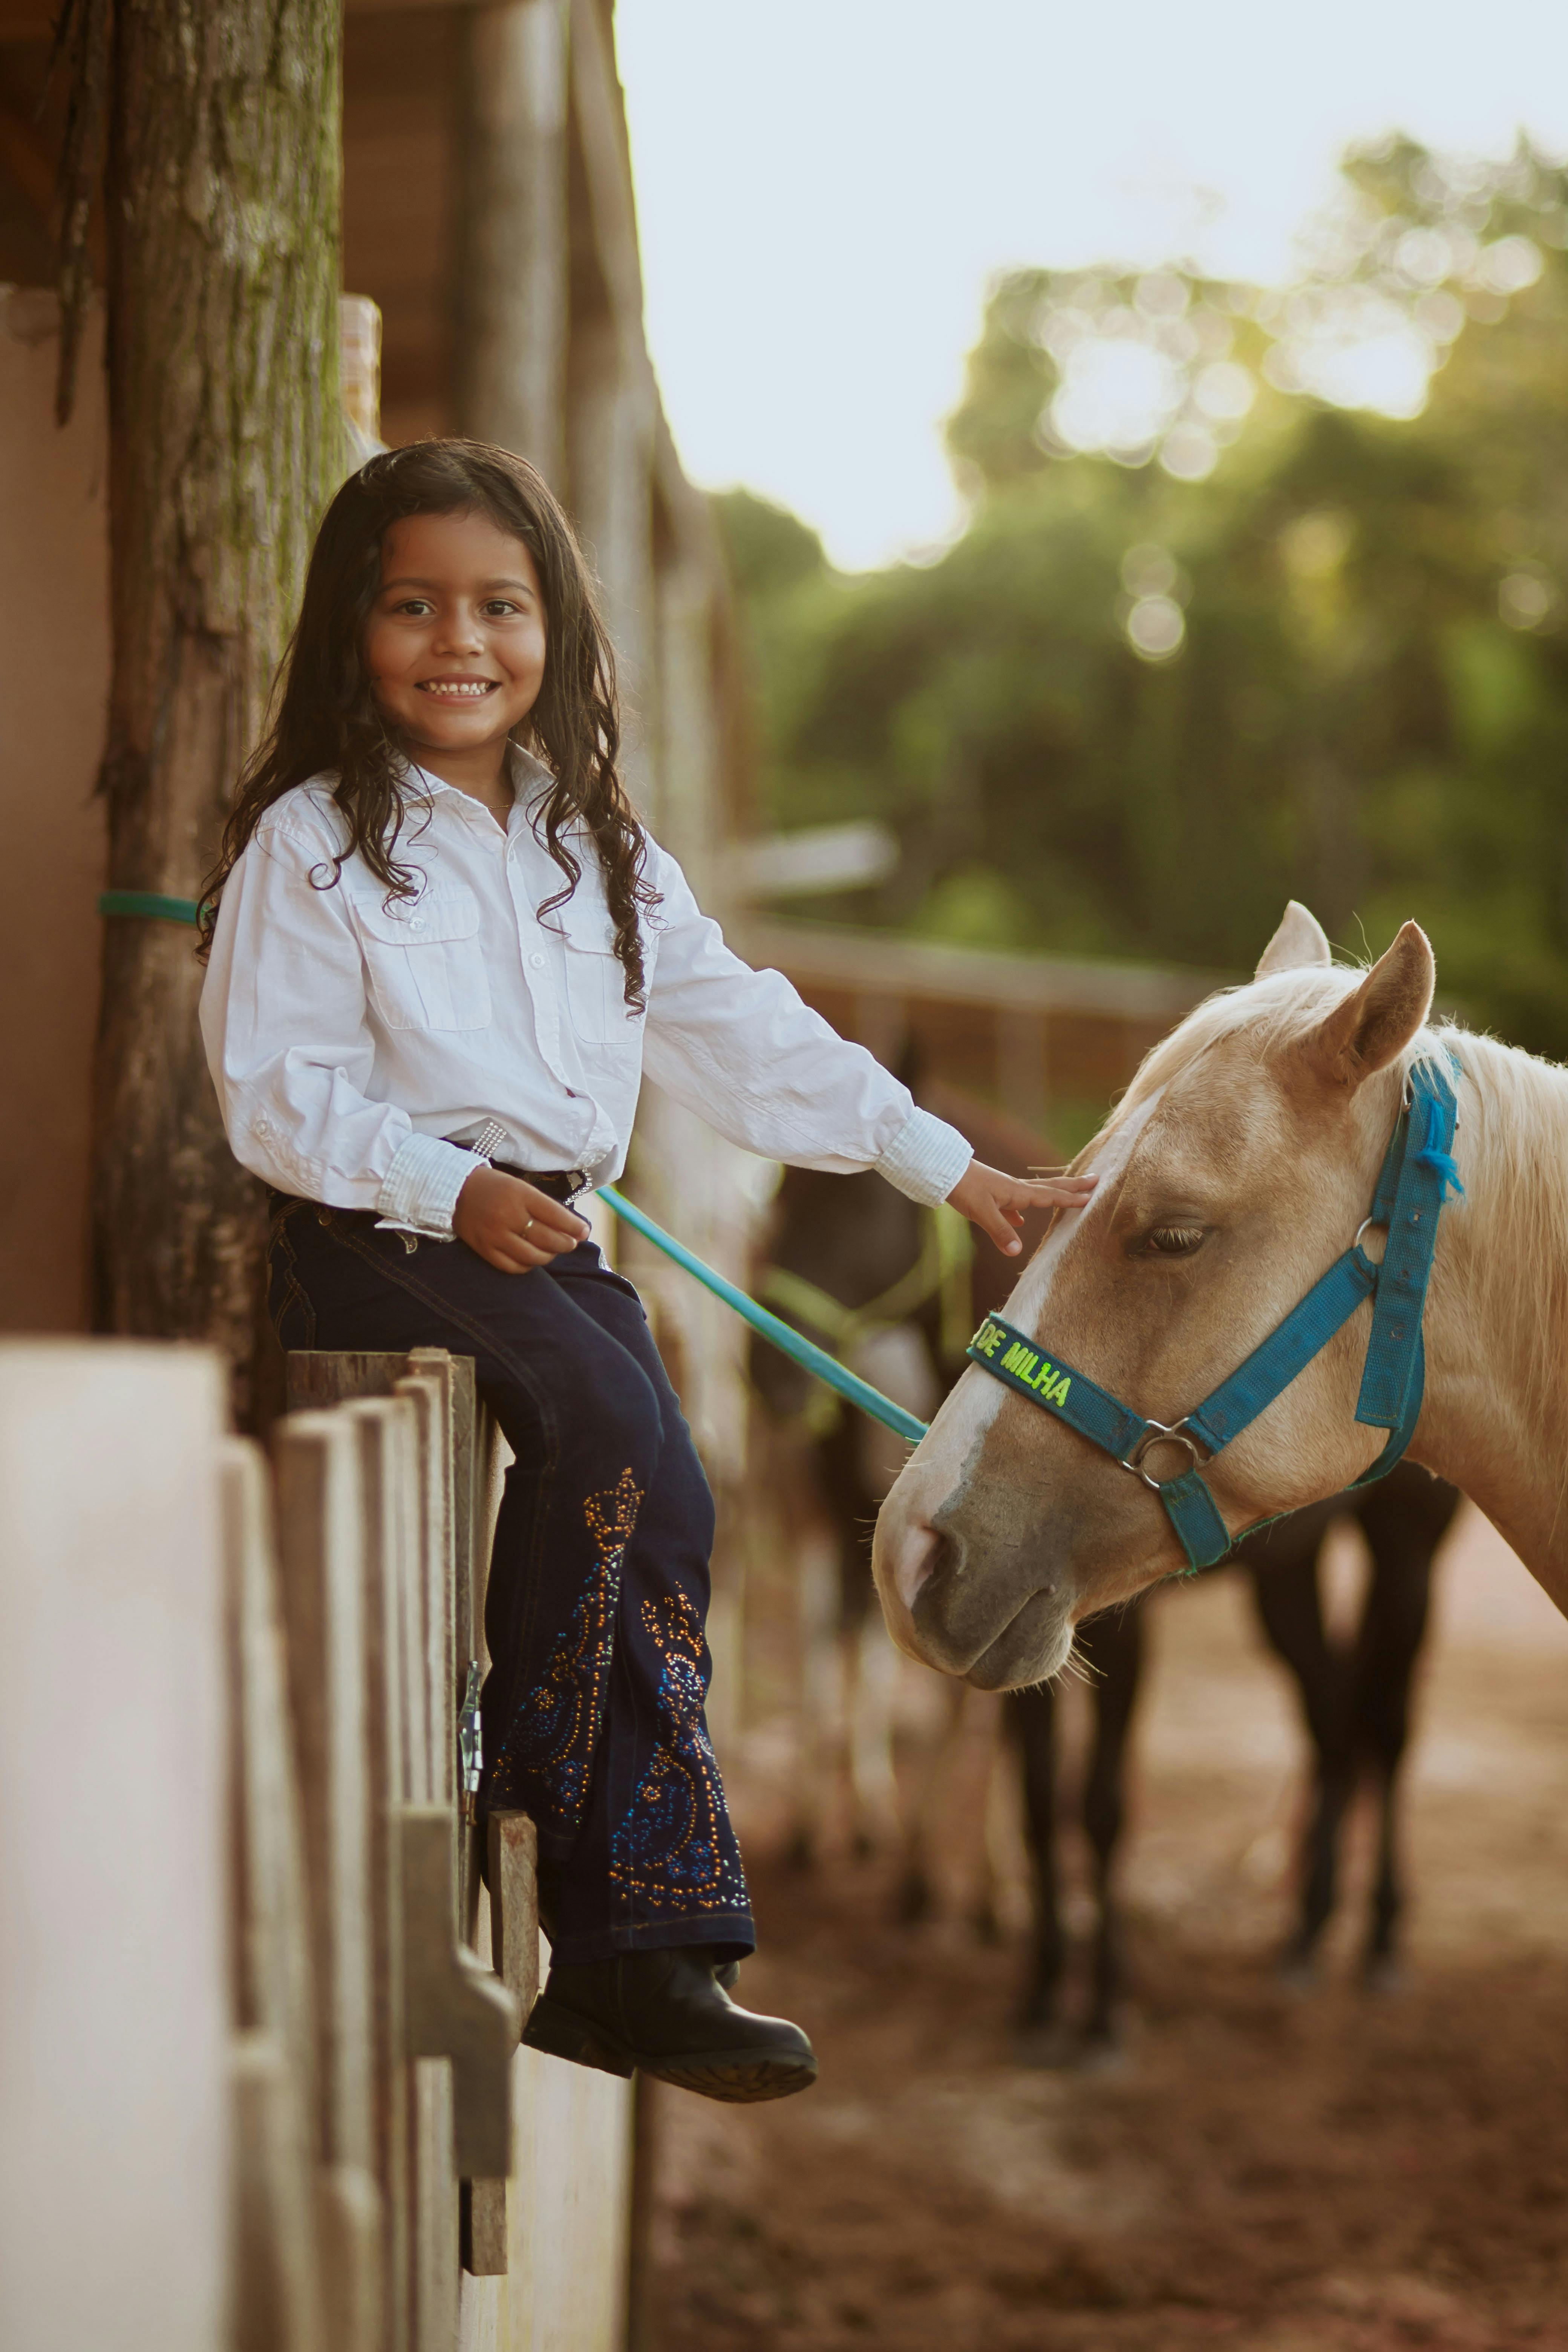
(537, 961)
(417, 924)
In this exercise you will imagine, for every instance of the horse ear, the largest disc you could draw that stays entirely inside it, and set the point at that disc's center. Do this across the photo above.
(1299, 942)
(1381, 1017)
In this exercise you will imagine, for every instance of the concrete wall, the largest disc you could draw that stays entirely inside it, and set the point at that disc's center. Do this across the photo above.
(53, 686)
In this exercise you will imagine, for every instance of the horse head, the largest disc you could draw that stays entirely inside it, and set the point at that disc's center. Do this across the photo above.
(1236, 1171)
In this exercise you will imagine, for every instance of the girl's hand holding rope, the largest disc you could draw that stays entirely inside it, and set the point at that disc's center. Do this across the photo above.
(513, 1226)
(996, 1204)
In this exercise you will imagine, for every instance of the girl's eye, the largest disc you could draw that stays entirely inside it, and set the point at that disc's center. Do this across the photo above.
(415, 607)
(1175, 1241)
(499, 609)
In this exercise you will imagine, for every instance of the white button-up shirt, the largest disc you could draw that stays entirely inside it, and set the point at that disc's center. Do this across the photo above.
(349, 1035)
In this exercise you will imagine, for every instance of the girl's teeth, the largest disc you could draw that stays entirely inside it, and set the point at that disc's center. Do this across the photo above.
(468, 693)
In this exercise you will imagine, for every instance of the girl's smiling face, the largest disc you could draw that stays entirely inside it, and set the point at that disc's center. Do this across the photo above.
(455, 644)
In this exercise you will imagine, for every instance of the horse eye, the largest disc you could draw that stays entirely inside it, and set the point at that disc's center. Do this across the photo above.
(1175, 1241)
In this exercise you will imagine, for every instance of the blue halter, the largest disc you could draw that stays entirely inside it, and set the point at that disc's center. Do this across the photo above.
(1411, 1190)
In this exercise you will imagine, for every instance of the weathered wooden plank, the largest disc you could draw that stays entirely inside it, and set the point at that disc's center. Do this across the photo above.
(455, 2007)
(514, 249)
(483, 2237)
(323, 1606)
(325, 1376)
(274, 2249)
(418, 1514)
(320, 1519)
(514, 1904)
(384, 1432)
(277, 2286)
(515, 1946)
(430, 1905)
(570, 2207)
(468, 1566)
(433, 1566)
(115, 2122)
(321, 1377)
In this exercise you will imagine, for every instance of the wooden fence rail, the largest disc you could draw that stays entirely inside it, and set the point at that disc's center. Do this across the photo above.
(404, 2177)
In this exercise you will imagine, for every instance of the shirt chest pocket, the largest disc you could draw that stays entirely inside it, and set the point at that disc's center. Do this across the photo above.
(424, 959)
(596, 1006)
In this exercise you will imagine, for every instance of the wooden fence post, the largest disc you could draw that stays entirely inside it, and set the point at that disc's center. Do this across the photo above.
(416, 1429)
(115, 2131)
(513, 1868)
(277, 2285)
(320, 1545)
(427, 1490)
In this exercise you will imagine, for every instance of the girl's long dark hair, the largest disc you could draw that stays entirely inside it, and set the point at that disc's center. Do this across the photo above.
(327, 720)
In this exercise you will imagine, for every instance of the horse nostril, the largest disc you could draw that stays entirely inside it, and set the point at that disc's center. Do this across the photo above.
(914, 1559)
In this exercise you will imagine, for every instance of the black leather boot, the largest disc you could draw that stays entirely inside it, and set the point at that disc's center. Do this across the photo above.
(667, 2015)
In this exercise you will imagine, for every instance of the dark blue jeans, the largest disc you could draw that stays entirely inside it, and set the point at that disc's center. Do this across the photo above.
(599, 1576)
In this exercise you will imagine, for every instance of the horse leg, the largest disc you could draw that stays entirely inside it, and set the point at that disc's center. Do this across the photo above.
(1284, 1567)
(1031, 1722)
(1404, 1523)
(874, 1788)
(817, 1602)
(919, 1819)
(1113, 1648)
(863, 1758)
(985, 1913)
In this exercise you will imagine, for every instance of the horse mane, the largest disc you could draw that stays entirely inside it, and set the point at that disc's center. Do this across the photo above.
(1512, 1145)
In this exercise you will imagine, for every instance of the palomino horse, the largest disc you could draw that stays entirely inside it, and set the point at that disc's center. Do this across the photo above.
(1243, 1161)
(853, 1260)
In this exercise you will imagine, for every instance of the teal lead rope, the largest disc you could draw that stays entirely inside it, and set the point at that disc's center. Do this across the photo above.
(783, 1335)
(153, 905)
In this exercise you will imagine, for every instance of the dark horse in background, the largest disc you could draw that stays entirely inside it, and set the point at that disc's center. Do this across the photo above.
(840, 1248)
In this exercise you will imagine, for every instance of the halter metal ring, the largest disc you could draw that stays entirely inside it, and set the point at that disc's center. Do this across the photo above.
(1158, 1434)
(1366, 1225)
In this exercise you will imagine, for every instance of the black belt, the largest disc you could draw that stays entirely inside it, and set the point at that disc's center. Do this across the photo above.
(560, 1183)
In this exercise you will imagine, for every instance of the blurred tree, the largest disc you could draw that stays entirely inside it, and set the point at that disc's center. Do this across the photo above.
(1216, 635)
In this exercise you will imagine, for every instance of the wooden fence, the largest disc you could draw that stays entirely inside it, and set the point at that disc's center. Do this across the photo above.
(229, 1687)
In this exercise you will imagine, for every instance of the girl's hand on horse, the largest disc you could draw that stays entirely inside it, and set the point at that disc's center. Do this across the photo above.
(996, 1204)
(513, 1226)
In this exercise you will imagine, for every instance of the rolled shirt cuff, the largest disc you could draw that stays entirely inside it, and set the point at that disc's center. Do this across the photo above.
(924, 1159)
(420, 1192)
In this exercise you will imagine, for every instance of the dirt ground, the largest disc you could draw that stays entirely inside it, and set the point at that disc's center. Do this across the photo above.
(1334, 2171)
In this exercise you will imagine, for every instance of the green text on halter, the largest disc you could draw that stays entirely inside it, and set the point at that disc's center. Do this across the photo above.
(1411, 1190)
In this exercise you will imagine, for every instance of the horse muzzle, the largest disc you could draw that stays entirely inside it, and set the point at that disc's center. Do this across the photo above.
(1001, 1623)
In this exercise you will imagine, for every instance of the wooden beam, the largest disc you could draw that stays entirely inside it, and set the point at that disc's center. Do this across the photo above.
(880, 962)
(513, 237)
(454, 2008)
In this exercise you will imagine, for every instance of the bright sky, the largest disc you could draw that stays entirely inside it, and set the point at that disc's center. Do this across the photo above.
(824, 187)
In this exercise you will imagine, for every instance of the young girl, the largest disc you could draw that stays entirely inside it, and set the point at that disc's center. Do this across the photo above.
(442, 951)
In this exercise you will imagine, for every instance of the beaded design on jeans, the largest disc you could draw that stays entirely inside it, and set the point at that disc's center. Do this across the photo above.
(546, 1759)
(674, 1850)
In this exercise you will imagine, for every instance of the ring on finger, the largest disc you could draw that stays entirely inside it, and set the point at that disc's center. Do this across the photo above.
(528, 1227)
